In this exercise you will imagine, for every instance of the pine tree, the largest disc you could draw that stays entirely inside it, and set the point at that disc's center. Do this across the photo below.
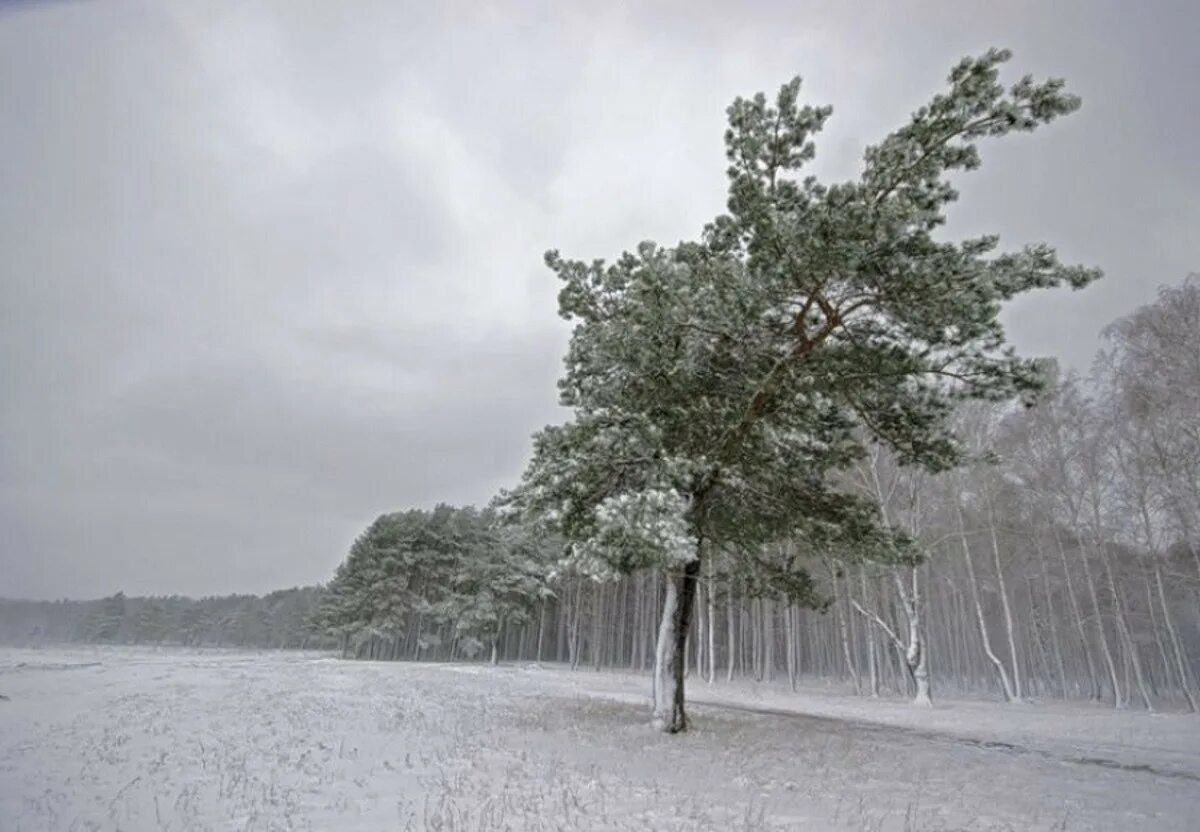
(718, 384)
(150, 624)
(106, 622)
(458, 572)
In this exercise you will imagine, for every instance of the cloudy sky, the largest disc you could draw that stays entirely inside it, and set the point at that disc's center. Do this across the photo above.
(270, 269)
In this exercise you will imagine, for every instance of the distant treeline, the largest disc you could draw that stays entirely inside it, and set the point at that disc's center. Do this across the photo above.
(279, 619)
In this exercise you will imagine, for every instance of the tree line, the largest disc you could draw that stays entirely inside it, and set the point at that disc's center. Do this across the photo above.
(445, 583)
(1059, 562)
(277, 620)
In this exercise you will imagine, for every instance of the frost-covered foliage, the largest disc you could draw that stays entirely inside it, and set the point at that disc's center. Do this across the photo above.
(741, 369)
(643, 528)
(418, 578)
(744, 369)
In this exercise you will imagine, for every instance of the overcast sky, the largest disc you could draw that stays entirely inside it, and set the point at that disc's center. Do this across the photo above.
(268, 270)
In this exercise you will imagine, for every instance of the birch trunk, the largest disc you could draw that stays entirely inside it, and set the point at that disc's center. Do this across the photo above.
(1118, 696)
(1056, 643)
(1018, 695)
(872, 658)
(1125, 633)
(1180, 661)
(1093, 676)
(983, 632)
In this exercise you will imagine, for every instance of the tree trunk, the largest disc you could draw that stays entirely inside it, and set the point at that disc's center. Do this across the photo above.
(541, 631)
(1180, 662)
(1093, 676)
(790, 640)
(732, 647)
(983, 632)
(917, 653)
(843, 629)
(768, 620)
(872, 658)
(1018, 693)
(1118, 696)
(711, 594)
(1124, 632)
(669, 712)
(1055, 642)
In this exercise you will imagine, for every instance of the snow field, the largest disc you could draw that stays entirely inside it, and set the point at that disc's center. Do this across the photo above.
(129, 739)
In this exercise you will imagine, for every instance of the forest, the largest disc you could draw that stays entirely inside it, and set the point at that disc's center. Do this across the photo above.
(1060, 562)
(276, 620)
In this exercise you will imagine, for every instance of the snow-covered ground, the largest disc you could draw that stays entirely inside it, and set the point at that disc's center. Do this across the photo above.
(108, 739)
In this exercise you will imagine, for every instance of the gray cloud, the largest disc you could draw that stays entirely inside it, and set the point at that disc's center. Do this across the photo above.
(273, 268)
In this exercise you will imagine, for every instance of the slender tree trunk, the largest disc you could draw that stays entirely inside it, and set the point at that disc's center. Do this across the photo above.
(790, 641)
(1118, 695)
(756, 638)
(1093, 675)
(1018, 694)
(1123, 630)
(917, 654)
(618, 647)
(1159, 641)
(573, 634)
(711, 595)
(838, 606)
(541, 631)
(637, 658)
(768, 616)
(1009, 696)
(596, 647)
(729, 611)
(1176, 648)
(872, 658)
(1056, 643)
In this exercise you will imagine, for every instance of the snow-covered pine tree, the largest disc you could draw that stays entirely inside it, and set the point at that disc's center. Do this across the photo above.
(420, 576)
(717, 384)
(499, 580)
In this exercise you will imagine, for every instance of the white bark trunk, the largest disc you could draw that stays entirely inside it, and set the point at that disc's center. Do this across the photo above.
(664, 652)
(1009, 629)
(983, 632)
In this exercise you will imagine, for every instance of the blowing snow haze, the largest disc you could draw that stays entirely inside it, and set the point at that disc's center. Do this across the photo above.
(271, 269)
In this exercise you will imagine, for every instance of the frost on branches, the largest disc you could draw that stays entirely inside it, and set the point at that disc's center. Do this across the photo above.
(721, 386)
(648, 529)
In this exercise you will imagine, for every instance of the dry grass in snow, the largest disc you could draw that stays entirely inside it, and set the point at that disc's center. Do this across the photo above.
(114, 739)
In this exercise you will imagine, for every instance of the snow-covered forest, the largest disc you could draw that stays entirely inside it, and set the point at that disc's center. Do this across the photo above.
(1060, 563)
(276, 620)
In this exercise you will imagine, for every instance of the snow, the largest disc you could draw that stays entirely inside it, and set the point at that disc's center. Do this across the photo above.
(111, 738)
